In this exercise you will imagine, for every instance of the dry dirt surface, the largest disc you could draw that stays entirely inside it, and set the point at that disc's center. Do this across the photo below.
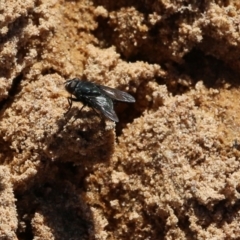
(170, 169)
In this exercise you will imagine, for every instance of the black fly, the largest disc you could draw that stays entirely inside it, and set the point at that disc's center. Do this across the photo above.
(96, 96)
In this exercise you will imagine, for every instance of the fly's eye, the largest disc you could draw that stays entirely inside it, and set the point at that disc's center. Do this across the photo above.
(70, 85)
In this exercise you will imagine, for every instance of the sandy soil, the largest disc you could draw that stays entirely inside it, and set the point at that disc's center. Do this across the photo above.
(170, 169)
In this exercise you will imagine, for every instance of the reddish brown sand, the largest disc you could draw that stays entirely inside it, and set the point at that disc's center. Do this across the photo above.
(170, 169)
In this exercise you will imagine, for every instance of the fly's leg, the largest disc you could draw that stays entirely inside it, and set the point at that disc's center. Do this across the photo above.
(79, 111)
(70, 100)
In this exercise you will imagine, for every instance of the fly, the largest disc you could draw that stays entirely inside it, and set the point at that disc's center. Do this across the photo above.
(96, 96)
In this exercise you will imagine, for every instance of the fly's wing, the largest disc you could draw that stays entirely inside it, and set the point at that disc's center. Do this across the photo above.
(103, 104)
(117, 94)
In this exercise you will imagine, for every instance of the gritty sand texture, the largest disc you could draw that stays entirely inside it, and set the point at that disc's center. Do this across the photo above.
(170, 169)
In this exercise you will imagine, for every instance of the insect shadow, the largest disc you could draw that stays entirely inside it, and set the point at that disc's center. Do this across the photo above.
(85, 141)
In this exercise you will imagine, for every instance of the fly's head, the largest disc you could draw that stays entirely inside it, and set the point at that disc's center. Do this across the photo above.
(70, 85)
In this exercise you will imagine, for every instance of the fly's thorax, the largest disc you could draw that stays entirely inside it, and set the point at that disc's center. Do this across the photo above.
(87, 89)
